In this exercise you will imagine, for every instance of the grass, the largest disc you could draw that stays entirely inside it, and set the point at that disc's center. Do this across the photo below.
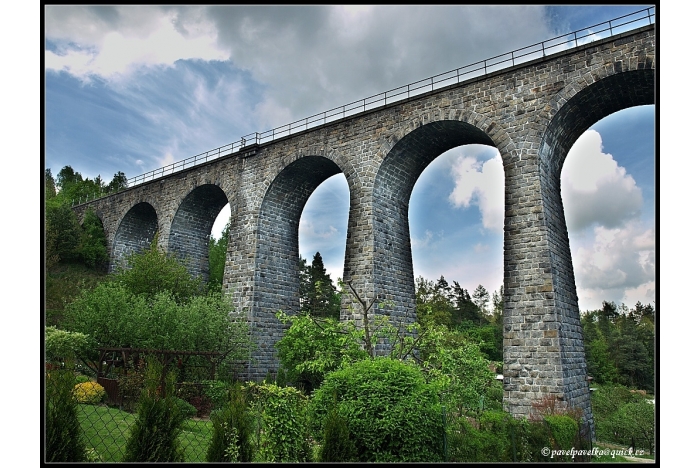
(106, 431)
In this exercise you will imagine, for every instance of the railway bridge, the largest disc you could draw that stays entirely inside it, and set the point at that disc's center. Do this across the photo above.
(531, 109)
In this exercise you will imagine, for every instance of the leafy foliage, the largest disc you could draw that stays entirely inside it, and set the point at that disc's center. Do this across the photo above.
(392, 413)
(337, 445)
(232, 429)
(153, 271)
(89, 393)
(447, 356)
(619, 345)
(311, 347)
(61, 345)
(217, 258)
(114, 317)
(282, 423)
(318, 295)
(154, 435)
(623, 416)
(64, 438)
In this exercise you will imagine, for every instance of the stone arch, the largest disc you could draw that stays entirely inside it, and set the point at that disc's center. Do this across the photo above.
(192, 225)
(582, 103)
(396, 177)
(276, 275)
(577, 108)
(136, 231)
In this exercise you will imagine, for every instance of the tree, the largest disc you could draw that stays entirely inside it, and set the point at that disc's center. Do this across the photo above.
(318, 295)
(466, 312)
(313, 346)
(63, 232)
(93, 242)
(49, 184)
(153, 271)
(217, 258)
(118, 183)
(480, 296)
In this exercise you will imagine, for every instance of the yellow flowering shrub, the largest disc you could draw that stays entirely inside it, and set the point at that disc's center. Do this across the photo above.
(89, 392)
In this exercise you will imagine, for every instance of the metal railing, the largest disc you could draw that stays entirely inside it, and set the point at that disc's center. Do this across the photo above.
(516, 57)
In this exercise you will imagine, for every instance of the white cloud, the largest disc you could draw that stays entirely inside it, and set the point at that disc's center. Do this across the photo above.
(481, 183)
(594, 189)
(618, 265)
(107, 49)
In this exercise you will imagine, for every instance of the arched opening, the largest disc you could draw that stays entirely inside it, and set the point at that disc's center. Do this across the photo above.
(218, 244)
(393, 261)
(323, 230)
(135, 233)
(192, 227)
(456, 221)
(276, 276)
(608, 195)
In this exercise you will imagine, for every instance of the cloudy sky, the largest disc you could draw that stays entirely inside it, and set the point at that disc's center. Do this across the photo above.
(133, 88)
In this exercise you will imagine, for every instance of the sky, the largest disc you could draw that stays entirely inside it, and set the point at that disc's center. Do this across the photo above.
(134, 88)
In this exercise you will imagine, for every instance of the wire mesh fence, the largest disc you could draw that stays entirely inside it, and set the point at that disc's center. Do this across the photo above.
(108, 428)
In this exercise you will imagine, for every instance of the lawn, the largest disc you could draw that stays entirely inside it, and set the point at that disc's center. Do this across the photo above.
(106, 431)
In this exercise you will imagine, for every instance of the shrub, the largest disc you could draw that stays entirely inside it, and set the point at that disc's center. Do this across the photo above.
(64, 438)
(89, 393)
(188, 411)
(282, 422)
(232, 428)
(391, 412)
(81, 379)
(337, 445)
(154, 435)
(564, 430)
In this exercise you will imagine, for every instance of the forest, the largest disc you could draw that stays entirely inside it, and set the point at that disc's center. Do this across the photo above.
(453, 352)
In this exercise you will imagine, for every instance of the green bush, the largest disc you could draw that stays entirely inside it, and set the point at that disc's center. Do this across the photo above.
(218, 392)
(282, 423)
(81, 379)
(188, 411)
(89, 393)
(64, 438)
(564, 430)
(337, 445)
(393, 414)
(232, 427)
(159, 420)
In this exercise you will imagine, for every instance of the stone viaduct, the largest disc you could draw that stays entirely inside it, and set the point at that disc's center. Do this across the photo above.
(531, 112)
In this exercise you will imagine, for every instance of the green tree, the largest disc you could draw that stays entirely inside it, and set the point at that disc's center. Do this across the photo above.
(313, 346)
(154, 436)
(63, 232)
(49, 184)
(466, 312)
(318, 295)
(433, 304)
(118, 183)
(481, 298)
(93, 242)
(446, 355)
(217, 258)
(153, 271)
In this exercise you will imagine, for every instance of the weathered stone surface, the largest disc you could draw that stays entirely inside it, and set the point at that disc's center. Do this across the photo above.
(531, 113)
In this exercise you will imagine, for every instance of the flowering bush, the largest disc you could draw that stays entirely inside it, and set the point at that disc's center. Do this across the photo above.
(89, 393)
